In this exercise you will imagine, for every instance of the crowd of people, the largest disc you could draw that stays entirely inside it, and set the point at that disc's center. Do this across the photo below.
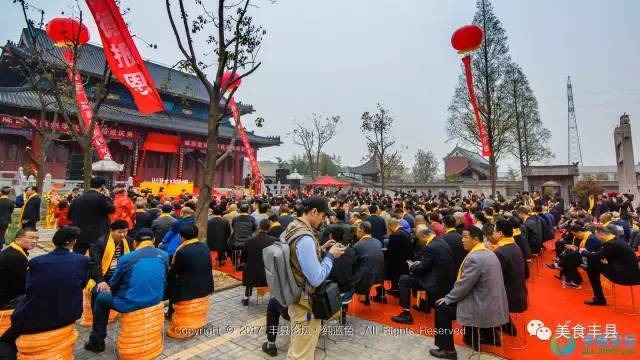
(468, 254)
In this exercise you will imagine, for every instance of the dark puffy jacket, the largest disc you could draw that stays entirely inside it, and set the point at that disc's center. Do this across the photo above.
(243, 227)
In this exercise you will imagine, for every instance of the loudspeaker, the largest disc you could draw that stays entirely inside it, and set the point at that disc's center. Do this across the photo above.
(281, 175)
(75, 167)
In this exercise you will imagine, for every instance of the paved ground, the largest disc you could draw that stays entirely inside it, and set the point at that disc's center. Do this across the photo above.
(237, 332)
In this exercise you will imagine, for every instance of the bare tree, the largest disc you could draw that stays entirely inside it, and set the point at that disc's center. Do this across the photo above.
(43, 64)
(314, 138)
(236, 41)
(376, 129)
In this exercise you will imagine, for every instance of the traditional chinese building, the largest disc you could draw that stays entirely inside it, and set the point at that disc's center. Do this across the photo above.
(175, 140)
(466, 164)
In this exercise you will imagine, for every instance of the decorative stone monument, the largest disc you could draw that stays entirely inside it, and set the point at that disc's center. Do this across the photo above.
(627, 181)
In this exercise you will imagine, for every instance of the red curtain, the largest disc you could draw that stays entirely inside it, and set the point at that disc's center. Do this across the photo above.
(162, 143)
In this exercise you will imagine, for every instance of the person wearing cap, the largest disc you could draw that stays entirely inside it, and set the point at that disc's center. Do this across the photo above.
(310, 268)
(253, 274)
(137, 282)
(163, 223)
(190, 276)
(105, 254)
(53, 297)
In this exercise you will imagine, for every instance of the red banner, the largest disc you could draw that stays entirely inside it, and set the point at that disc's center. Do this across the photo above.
(486, 150)
(85, 110)
(255, 169)
(62, 127)
(123, 56)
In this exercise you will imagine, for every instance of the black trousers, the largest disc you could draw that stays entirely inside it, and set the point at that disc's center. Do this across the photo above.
(559, 247)
(274, 312)
(443, 324)
(3, 229)
(594, 269)
(405, 285)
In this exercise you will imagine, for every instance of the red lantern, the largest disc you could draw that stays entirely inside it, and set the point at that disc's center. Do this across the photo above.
(67, 32)
(229, 84)
(467, 38)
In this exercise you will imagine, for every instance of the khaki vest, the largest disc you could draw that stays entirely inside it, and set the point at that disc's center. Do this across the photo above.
(295, 231)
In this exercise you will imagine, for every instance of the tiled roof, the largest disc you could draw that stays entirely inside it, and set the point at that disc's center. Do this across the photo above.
(26, 98)
(476, 161)
(91, 61)
(368, 168)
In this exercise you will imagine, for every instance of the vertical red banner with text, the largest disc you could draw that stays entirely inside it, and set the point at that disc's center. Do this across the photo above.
(123, 56)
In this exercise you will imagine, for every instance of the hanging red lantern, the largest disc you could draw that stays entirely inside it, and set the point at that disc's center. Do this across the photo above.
(229, 84)
(468, 38)
(67, 32)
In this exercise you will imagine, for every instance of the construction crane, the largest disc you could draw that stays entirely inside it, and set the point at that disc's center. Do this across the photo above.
(573, 139)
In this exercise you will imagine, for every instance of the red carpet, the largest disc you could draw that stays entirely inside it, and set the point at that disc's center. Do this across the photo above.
(549, 302)
(226, 268)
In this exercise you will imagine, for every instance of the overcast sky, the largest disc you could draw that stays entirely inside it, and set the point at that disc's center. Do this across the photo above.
(342, 57)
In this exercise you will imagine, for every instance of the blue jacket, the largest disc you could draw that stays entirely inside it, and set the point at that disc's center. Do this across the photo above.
(171, 239)
(139, 279)
(53, 297)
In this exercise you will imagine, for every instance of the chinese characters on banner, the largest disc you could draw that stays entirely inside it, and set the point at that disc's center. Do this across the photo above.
(84, 109)
(62, 127)
(123, 57)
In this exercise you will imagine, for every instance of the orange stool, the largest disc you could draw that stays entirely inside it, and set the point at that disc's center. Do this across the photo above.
(5, 320)
(53, 344)
(260, 293)
(87, 313)
(189, 316)
(141, 336)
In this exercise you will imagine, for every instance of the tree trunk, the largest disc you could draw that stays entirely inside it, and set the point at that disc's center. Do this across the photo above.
(204, 198)
(40, 166)
(87, 161)
(494, 173)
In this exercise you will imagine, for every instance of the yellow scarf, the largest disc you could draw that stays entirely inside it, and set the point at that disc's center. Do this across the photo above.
(144, 244)
(478, 247)
(450, 230)
(517, 232)
(274, 224)
(609, 237)
(107, 257)
(25, 205)
(188, 242)
(592, 203)
(430, 238)
(19, 249)
(583, 241)
(505, 241)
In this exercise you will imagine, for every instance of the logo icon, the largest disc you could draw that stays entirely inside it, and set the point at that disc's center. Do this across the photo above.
(561, 349)
(536, 328)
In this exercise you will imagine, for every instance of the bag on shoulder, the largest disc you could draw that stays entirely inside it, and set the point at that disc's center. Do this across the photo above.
(325, 300)
(279, 274)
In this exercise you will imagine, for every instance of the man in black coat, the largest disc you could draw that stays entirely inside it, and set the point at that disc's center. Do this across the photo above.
(13, 267)
(190, 275)
(434, 273)
(275, 228)
(531, 229)
(513, 269)
(454, 240)
(243, 227)
(6, 210)
(378, 225)
(90, 212)
(218, 232)
(616, 260)
(31, 208)
(369, 262)
(163, 223)
(347, 234)
(253, 274)
(144, 219)
(399, 250)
